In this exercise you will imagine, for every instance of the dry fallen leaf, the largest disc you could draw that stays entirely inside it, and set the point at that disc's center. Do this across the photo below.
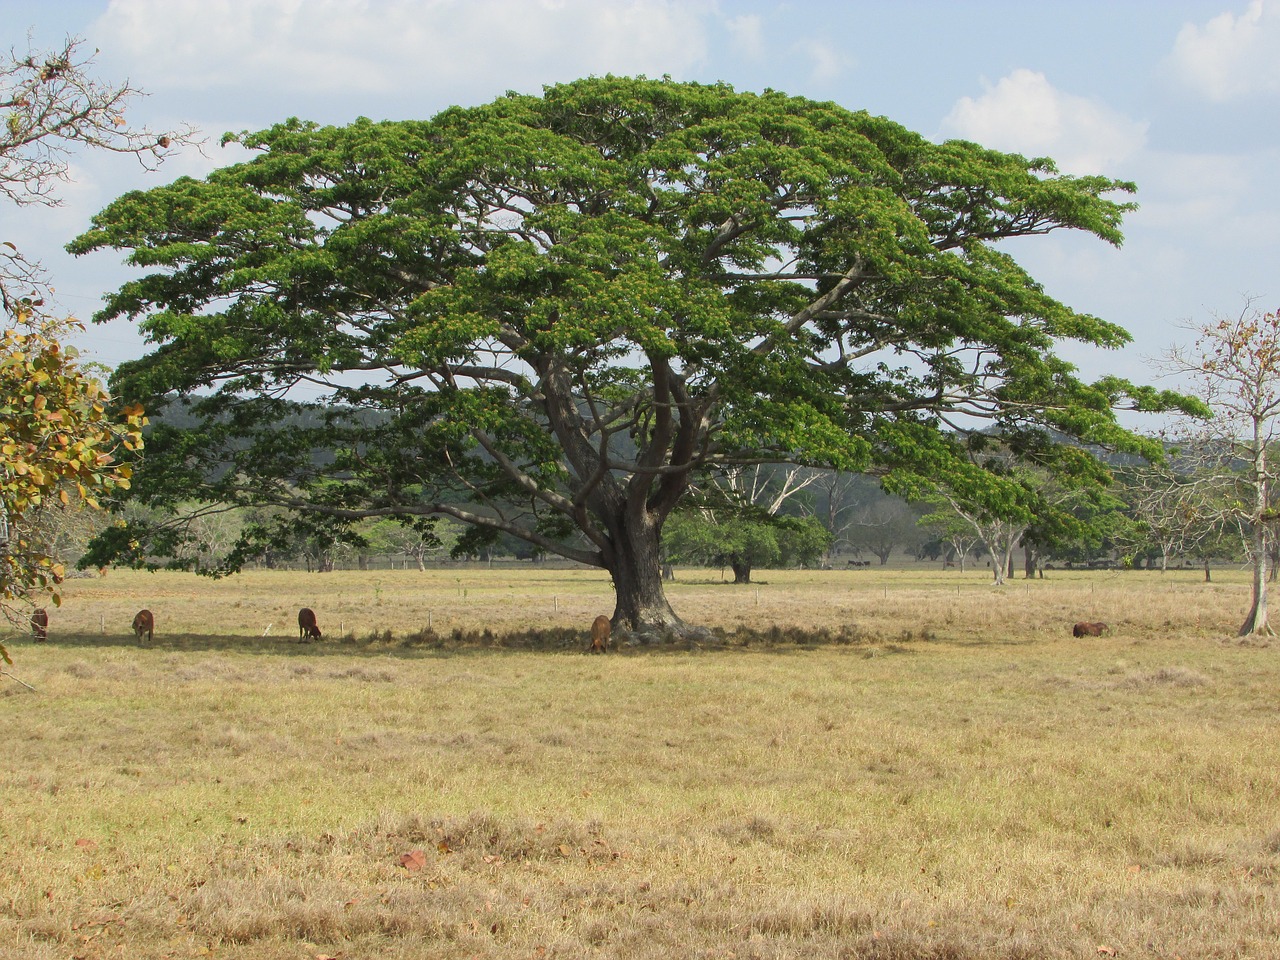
(413, 860)
(87, 844)
(1105, 951)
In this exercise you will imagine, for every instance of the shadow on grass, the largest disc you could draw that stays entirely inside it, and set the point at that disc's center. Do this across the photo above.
(473, 642)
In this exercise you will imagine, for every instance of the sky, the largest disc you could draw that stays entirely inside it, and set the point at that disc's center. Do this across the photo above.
(1180, 96)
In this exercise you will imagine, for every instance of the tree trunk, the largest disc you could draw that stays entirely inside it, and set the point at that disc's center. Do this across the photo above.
(741, 571)
(1028, 561)
(998, 564)
(636, 569)
(1256, 621)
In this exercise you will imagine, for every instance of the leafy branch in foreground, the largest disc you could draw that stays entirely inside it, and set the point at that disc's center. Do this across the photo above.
(61, 440)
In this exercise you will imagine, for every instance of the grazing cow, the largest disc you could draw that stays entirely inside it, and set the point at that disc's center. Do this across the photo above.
(144, 622)
(307, 628)
(40, 624)
(1084, 629)
(600, 635)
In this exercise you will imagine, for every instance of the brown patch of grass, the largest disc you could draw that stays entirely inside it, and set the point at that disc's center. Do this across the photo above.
(1165, 676)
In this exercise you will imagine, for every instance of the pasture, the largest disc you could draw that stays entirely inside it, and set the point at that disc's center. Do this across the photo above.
(902, 764)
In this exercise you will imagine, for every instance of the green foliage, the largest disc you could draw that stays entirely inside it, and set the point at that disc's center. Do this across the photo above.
(743, 539)
(554, 311)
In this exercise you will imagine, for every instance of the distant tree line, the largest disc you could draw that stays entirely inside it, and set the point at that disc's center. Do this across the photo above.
(1148, 517)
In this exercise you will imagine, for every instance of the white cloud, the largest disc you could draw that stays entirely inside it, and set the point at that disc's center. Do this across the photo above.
(747, 32)
(393, 47)
(825, 62)
(1024, 113)
(1232, 55)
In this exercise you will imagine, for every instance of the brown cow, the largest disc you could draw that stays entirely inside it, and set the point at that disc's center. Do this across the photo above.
(307, 628)
(1083, 629)
(144, 622)
(40, 624)
(600, 628)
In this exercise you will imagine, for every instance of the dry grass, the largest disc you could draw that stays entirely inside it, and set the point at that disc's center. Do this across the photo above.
(900, 765)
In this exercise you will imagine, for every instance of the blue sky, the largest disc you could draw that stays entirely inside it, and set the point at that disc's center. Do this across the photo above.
(1181, 96)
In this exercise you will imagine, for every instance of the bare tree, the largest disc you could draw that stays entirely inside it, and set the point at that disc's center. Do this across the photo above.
(953, 530)
(53, 107)
(1235, 365)
(767, 487)
(1160, 499)
(885, 524)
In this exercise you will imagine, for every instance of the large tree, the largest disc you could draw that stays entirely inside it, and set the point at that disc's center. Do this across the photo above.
(545, 315)
(722, 532)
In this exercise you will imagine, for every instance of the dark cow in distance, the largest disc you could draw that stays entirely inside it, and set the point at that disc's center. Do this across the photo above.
(144, 622)
(1083, 629)
(600, 629)
(40, 624)
(307, 629)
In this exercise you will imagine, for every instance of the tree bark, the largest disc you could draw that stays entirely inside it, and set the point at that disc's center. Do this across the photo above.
(998, 565)
(1256, 621)
(636, 568)
(741, 571)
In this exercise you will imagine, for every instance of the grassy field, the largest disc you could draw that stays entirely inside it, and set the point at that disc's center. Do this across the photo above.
(909, 764)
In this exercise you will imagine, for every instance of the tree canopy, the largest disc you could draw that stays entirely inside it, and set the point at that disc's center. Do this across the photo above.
(543, 316)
